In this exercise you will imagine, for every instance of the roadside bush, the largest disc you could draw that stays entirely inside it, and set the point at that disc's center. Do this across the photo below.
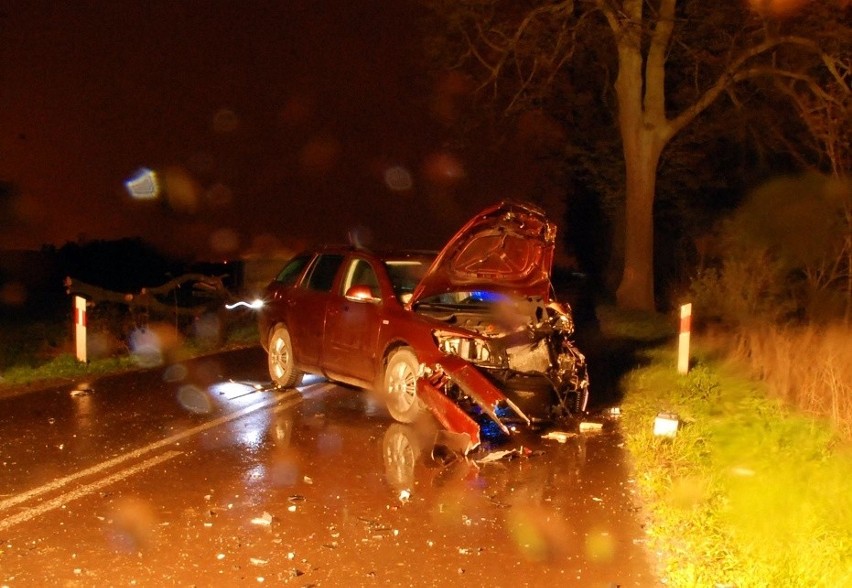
(777, 296)
(784, 256)
(806, 367)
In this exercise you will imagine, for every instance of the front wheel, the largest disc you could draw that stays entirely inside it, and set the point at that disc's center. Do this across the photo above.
(400, 386)
(282, 368)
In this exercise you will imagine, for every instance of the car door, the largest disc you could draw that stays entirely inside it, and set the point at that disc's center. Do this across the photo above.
(352, 326)
(307, 311)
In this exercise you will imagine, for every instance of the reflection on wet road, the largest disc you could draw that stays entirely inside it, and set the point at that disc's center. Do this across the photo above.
(211, 478)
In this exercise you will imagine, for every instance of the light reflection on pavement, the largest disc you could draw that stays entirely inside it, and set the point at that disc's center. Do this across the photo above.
(312, 487)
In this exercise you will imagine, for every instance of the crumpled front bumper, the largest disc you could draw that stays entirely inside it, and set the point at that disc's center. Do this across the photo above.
(477, 388)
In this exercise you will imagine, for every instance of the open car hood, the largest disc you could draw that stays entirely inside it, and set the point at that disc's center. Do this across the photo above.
(506, 248)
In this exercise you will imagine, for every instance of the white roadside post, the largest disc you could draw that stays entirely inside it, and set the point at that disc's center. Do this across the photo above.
(683, 338)
(80, 327)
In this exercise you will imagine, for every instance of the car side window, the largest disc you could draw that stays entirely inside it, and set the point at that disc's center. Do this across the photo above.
(361, 273)
(291, 271)
(323, 272)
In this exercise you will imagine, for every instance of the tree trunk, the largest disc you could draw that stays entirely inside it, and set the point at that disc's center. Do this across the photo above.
(636, 289)
(642, 124)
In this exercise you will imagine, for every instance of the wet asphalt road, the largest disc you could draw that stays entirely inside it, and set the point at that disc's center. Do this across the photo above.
(200, 475)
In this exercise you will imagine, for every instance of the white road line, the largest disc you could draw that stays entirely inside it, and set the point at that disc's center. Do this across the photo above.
(60, 482)
(318, 388)
(82, 491)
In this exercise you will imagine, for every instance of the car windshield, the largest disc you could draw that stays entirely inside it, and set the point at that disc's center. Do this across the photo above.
(405, 274)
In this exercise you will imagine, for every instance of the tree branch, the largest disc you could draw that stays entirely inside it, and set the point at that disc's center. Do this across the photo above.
(729, 76)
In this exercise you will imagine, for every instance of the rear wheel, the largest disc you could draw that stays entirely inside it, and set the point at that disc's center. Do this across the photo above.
(282, 369)
(400, 386)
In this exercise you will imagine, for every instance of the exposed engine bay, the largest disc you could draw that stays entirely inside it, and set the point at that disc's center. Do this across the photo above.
(521, 344)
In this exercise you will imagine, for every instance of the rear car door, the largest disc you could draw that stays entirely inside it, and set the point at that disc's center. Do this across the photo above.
(308, 309)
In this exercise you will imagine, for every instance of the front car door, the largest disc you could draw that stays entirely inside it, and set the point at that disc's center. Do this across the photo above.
(352, 326)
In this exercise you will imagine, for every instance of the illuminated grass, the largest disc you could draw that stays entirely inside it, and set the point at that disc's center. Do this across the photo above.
(746, 494)
(64, 366)
(38, 361)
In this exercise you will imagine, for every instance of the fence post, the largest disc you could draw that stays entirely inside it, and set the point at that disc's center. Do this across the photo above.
(683, 338)
(80, 328)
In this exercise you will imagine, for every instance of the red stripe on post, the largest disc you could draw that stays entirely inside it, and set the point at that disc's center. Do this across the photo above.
(685, 323)
(80, 317)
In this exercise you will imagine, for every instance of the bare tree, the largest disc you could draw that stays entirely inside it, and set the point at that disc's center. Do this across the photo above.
(521, 48)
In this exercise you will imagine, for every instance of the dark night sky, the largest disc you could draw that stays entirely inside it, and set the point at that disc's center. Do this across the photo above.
(268, 121)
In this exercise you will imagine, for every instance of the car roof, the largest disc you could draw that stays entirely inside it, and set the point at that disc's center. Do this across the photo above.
(382, 255)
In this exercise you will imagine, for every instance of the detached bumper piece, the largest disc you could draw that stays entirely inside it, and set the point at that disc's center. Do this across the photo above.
(464, 401)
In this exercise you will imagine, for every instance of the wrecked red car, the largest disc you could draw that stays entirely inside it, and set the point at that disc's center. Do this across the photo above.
(472, 335)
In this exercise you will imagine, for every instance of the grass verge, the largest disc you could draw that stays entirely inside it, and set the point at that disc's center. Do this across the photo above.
(747, 493)
(30, 365)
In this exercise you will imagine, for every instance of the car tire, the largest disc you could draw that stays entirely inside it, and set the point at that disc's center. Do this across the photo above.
(282, 369)
(400, 386)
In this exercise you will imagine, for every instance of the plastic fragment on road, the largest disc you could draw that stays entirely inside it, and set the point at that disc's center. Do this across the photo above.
(561, 436)
(264, 520)
(308, 480)
(258, 562)
(498, 455)
(404, 495)
(590, 427)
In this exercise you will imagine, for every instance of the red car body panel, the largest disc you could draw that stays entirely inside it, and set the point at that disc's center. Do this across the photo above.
(507, 247)
(450, 415)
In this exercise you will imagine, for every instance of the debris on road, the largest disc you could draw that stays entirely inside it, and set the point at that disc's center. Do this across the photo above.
(264, 520)
(586, 427)
(561, 436)
(504, 454)
(404, 495)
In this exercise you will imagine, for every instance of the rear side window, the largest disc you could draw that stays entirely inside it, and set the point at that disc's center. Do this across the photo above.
(292, 270)
(323, 272)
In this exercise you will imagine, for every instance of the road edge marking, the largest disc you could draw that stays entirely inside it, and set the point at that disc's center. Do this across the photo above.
(63, 499)
(136, 453)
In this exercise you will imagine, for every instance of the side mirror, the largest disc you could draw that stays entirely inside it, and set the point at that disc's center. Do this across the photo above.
(361, 294)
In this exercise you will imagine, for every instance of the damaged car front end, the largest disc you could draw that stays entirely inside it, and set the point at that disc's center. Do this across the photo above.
(506, 358)
(472, 334)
